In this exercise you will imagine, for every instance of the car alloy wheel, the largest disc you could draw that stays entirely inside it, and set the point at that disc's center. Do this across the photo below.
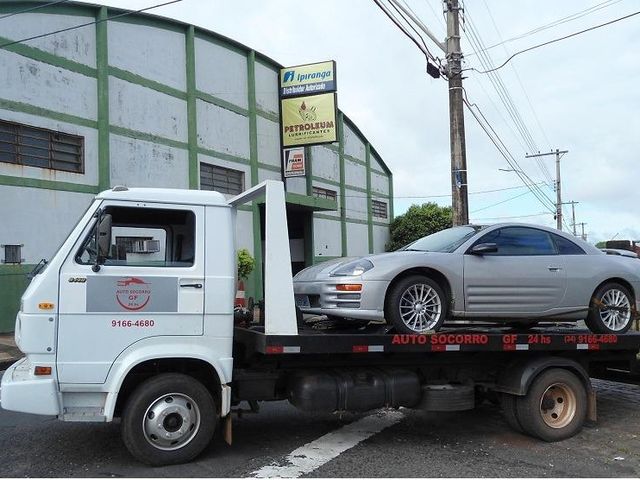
(420, 307)
(616, 310)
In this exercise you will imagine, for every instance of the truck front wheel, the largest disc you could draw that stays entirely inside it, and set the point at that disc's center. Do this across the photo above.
(168, 419)
(555, 407)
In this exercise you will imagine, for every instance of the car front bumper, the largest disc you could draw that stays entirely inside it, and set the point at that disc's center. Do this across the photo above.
(322, 297)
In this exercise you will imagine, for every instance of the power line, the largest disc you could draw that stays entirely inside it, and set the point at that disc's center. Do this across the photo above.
(557, 40)
(95, 22)
(499, 203)
(555, 23)
(514, 216)
(31, 9)
(444, 195)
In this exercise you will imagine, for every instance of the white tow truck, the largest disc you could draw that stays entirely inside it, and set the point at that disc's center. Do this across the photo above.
(108, 332)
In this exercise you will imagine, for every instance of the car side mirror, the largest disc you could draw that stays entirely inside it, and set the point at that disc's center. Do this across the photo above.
(482, 248)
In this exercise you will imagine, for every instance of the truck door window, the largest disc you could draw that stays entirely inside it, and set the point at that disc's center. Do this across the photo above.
(146, 237)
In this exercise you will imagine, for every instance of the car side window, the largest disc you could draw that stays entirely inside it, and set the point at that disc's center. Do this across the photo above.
(567, 247)
(520, 241)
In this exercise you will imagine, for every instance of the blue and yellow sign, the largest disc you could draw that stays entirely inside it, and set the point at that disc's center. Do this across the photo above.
(308, 79)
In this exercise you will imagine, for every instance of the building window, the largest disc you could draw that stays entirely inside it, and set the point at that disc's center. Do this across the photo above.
(220, 179)
(324, 193)
(12, 253)
(379, 209)
(38, 147)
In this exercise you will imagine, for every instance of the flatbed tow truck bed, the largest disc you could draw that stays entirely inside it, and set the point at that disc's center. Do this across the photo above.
(541, 376)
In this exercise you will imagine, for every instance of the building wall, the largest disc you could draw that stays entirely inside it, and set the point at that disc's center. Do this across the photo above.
(145, 124)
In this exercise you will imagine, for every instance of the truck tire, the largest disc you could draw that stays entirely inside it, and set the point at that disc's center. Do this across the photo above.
(188, 413)
(509, 409)
(602, 320)
(416, 304)
(555, 406)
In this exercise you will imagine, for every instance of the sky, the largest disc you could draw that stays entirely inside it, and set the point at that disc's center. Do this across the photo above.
(579, 94)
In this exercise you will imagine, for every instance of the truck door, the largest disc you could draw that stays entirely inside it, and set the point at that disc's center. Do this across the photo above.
(151, 284)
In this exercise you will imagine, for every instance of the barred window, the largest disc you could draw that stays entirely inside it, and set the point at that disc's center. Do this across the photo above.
(379, 209)
(38, 147)
(324, 193)
(220, 179)
(12, 253)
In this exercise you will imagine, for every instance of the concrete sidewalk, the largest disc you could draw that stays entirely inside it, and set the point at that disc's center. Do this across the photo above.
(9, 353)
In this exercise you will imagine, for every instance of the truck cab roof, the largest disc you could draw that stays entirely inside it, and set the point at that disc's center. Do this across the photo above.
(164, 195)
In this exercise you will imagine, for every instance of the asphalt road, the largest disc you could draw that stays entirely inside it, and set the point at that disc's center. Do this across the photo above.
(468, 444)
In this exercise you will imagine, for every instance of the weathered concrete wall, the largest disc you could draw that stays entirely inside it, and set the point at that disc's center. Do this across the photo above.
(326, 238)
(355, 174)
(326, 163)
(356, 203)
(46, 86)
(136, 163)
(222, 130)
(78, 45)
(39, 219)
(353, 145)
(379, 183)
(358, 235)
(144, 59)
(268, 142)
(267, 88)
(221, 72)
(380, 238)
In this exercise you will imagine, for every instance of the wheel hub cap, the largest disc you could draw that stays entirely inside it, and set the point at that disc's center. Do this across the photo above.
(558, 405)
(171, 421)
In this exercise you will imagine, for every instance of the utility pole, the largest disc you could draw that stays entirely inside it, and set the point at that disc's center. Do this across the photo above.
(459, 191)
(558, 154)
(573, 216)
(584, 236)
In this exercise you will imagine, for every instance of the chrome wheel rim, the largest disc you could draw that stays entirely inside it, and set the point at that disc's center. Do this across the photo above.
(558, 405)
(420, 307)
(171, 421)
(616, 310)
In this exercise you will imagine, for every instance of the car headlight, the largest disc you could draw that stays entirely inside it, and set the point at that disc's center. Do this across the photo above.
(357, 267)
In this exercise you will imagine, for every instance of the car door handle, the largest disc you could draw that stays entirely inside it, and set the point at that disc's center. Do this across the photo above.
(554, 269)
(191, 285)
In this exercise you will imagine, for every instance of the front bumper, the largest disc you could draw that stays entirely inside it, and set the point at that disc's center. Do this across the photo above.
(21, 391)
(324, 299)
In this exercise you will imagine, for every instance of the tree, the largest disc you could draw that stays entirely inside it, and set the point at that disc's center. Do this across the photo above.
(417, 222)
(601, 244)
(245, 264)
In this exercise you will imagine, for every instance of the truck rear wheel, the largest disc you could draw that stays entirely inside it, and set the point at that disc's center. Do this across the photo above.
(509, 409)
(555, 406)
(168, 419)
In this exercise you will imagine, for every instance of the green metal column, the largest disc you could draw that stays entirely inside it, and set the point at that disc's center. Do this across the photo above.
(308, 230)
(192, 127)
(257, 288)
(369, 198)
(390, 197)
(102, 64)
(343, 200)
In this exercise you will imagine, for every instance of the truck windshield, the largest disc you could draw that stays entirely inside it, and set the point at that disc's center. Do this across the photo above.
(444, 241)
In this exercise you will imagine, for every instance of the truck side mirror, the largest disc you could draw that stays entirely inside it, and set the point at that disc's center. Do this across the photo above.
(482, 248)
(103, 240)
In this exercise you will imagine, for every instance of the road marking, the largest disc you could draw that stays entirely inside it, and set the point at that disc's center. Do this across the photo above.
(314, 454)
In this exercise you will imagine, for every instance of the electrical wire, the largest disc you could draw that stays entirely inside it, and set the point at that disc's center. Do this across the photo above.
(556, 23)
(403, 29)
(514, 216)
(411, 27)
(444, 195)
(95, 22)
(31, 9)
(499, 203)
(555, 40)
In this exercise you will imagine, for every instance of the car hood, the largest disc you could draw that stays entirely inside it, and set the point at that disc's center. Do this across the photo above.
(323, 269)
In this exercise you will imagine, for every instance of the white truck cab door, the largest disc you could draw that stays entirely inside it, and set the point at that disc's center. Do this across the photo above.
(151, 284)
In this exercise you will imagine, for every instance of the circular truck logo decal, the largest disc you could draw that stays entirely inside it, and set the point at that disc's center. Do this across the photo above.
(133, 293)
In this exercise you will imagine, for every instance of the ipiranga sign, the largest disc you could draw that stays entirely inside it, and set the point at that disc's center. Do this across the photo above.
(308, 79)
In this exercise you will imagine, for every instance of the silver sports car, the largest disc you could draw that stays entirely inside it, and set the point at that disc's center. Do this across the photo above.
(509, 272)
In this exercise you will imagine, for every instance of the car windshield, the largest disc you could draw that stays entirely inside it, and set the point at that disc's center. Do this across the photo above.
(444, 241)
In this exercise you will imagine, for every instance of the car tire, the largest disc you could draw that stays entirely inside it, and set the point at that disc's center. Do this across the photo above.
(175, 398)
(555, 407)
(602, 320)
(416, 304)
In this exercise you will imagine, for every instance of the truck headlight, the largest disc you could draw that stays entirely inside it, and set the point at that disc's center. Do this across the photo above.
(357, 267)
